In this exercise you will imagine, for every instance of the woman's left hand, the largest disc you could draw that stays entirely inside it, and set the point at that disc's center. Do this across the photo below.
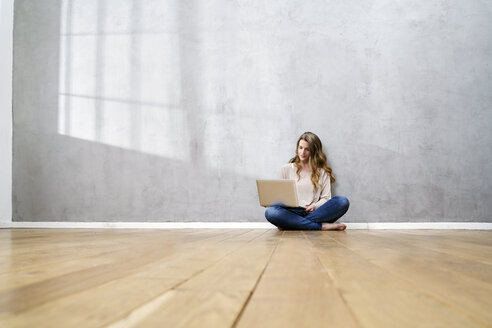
(309, 209)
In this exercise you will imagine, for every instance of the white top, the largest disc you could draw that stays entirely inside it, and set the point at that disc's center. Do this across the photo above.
(305, 189)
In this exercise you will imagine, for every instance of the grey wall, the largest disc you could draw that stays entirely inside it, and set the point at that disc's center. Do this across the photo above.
(6, 30)
(168, 110)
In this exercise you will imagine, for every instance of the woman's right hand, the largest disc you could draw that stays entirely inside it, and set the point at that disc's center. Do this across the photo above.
(309, 209)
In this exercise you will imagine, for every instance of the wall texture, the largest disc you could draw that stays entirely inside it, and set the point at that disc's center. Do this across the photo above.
(6, 30)
(168, 110)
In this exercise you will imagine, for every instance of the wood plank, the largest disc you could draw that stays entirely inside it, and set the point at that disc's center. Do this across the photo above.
(215, 297)
(55, 247)
(469, 237)
(378, 298)
(296, 291)
(471, 261)
(62, 245)
(124, 263)
(45, 261)
(224, 277)
(424, 270)
(450, 244)
(107, 302)
(51, 257)
(39, 272)
(91, 307)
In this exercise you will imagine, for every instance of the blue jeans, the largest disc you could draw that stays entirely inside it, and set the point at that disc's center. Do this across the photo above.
(294, 218)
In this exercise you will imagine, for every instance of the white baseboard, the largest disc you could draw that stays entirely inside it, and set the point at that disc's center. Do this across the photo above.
(140, 225)
(421, 225)
(241, 225)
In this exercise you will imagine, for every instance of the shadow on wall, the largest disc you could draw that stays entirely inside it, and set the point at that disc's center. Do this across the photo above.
(106, 183)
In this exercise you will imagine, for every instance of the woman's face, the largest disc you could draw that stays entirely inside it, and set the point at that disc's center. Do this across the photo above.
(303, 150)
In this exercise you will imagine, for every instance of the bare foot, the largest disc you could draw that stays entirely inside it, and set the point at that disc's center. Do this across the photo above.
(333, 226)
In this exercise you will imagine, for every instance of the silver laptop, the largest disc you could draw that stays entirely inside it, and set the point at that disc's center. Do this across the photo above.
(277, 191)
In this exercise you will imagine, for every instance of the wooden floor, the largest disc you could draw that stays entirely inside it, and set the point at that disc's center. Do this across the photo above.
(245, 278)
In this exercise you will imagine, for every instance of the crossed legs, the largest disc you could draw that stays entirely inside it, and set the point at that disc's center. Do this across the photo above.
(322, 218)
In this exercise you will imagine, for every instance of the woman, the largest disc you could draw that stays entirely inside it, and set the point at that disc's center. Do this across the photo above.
(318, 210)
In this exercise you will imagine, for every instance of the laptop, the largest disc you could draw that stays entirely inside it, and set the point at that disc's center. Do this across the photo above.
(277, 191)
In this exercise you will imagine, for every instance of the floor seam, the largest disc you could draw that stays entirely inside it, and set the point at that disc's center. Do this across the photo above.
(246, 302)
(356, 319)
(172, 289)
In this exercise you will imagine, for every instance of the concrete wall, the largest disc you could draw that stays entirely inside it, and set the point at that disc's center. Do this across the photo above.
(6, 30)
(168, 110)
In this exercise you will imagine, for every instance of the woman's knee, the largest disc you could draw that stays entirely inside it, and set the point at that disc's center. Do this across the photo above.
(342, 201)
(272, 214)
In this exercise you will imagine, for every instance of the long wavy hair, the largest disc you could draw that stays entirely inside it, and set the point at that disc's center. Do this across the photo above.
(317, 159)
